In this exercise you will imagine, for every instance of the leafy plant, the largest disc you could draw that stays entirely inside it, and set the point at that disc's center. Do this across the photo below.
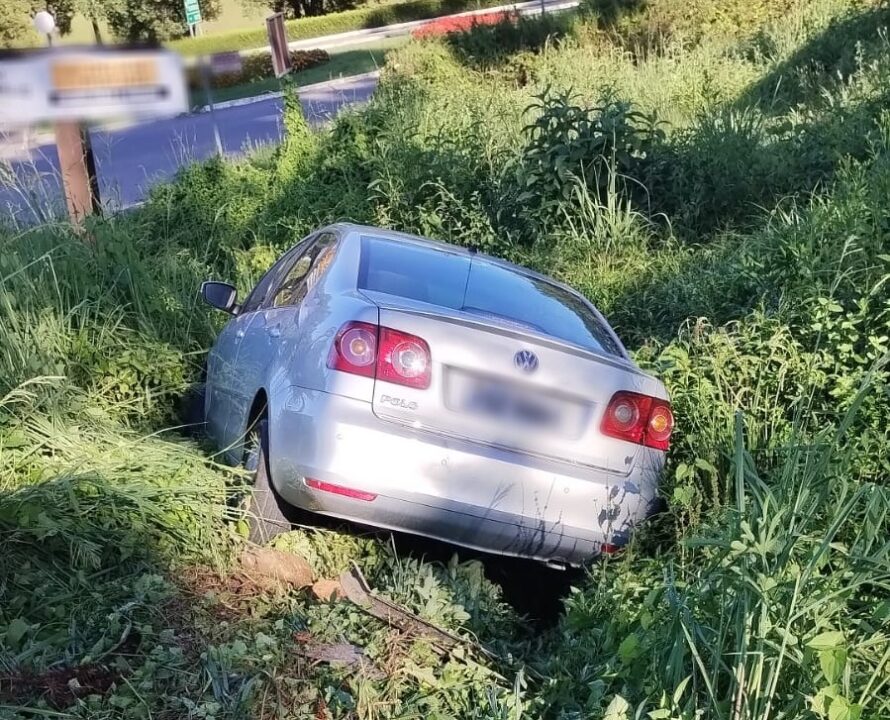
(606, 147)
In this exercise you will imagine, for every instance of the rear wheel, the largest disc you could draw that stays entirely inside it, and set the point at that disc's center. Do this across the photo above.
(266, 510)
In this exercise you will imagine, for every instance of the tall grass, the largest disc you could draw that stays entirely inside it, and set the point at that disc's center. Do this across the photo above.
(720, 195)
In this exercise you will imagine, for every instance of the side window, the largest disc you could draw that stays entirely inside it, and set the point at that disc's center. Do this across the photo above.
(304, 273)
(273, 276)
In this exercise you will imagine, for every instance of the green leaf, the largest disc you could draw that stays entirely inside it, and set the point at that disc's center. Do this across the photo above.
(841, 709)
(629, 648)
(681, 688)
(827, 640)
(832, 663)
(15, 631)
(617, 709)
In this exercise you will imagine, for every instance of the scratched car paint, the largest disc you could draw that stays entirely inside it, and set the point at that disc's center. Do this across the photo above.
(416, 386)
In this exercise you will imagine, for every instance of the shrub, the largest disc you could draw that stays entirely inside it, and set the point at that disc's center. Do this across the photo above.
(256, 67)
(761, 297)
(607, 148)
(488, 43)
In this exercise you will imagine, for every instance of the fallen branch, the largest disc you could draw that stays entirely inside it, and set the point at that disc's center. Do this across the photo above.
(357, 590)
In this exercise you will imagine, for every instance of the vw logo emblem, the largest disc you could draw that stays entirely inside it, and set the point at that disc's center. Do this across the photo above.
(526, 361)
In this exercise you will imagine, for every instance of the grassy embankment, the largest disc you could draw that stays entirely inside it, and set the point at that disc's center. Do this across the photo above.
(717, 184)
(343, 63)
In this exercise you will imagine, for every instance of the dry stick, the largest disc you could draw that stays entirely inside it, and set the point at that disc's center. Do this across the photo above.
(357, 590)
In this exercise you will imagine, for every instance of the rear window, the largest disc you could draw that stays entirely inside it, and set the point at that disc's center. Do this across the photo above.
(481, 288)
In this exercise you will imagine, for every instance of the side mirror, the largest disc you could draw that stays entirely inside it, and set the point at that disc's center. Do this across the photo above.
(220, 295)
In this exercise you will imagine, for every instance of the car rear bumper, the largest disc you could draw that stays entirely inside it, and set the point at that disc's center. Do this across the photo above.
(450, 489)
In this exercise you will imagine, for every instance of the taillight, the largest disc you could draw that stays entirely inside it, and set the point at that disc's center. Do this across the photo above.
(390, 355)
(403, 359)
(639, 419)
(661, 425)
(355, 349)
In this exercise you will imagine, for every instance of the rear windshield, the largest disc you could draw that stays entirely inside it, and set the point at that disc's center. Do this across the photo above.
(481, 288)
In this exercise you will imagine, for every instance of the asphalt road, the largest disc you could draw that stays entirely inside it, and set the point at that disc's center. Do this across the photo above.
(130, 160)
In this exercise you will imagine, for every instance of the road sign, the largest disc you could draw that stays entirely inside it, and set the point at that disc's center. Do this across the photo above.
(192, 12)
(89, 83)
(281, 63)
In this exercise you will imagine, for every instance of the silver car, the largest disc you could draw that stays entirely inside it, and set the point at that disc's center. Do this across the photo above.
(415, 386)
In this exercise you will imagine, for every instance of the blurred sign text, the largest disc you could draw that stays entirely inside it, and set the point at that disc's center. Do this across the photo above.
(225, 62)
(89, 84)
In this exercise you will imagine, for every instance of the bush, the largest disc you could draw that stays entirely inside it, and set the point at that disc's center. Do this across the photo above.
(256, 67)
(607, 148)
(487, 43)
(462, 23)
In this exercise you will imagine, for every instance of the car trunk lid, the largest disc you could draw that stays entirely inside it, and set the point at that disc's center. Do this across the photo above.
(498, 383)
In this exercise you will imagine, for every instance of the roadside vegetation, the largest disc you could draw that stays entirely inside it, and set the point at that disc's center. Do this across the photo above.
(360, 18)
(713, 175)
(340, 62)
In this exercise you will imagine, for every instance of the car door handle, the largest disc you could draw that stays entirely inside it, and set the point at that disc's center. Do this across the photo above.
(274, 330)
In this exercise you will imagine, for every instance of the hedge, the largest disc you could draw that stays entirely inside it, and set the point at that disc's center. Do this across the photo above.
(257, 67)
(311, 27)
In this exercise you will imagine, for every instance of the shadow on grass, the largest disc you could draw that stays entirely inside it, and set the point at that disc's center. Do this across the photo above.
(849, 44)
(788, 132)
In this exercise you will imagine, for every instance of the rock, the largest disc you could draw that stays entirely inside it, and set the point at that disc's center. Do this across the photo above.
(268, 567)
(326, 589)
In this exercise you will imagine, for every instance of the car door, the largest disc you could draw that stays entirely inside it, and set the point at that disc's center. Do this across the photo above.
(270, 335)
(222, 378)
(225, 389)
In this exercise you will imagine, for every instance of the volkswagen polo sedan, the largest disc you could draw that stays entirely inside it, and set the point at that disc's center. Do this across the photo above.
(410, 385)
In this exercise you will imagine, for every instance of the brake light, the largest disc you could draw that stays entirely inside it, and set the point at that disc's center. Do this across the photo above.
(403, 359)
(390, 355)
(639, 419)
(355, 349)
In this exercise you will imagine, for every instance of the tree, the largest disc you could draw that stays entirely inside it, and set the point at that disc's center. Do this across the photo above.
(16, 29)
(304, 8)
(93, 10)
(153, 20)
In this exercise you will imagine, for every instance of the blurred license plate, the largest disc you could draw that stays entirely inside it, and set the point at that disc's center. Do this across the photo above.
(103, 74)
(506, 402)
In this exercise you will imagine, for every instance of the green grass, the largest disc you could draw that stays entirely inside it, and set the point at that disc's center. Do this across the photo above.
(343, 63)
(720, 195)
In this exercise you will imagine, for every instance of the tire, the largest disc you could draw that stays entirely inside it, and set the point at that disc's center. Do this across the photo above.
(266, 511)
(191, 410)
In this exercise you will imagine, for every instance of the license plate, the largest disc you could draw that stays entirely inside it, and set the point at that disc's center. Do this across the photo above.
(502, 401)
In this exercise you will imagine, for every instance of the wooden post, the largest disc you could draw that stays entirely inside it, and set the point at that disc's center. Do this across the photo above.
(78, 168)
